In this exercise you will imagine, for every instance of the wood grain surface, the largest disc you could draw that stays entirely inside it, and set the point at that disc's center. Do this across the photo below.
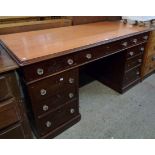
(6, 63)
(34, 46)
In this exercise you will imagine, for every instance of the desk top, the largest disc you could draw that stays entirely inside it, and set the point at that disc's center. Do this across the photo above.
(6, 63)
(34, 46)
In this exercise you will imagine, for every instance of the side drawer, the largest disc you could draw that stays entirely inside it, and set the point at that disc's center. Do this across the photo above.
(54, 102)
(132, 52)
(46, 88)
(131, 76)
(131, 63)
(57, 118)
(15, 132)
(9, 113)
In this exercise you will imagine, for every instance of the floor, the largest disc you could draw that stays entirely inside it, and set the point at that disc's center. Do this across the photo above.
(109, 115)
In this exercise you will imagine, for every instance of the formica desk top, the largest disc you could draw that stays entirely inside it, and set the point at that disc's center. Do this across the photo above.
(34, 46)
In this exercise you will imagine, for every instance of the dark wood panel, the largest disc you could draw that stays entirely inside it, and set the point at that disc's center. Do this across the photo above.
(5, 91)
(15, 132)
(9, 113)
(77, 20)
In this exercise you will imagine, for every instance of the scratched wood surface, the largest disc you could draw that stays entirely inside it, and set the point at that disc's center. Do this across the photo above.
(30, 47)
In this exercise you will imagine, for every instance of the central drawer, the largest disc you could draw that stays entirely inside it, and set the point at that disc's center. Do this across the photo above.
(57, 118)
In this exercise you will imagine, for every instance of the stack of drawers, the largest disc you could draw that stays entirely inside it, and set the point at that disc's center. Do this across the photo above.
(133, 61)
(54, 102)
(13, 119)
(149, 56)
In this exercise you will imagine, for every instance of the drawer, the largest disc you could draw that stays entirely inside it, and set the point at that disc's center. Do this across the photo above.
(140, 38)
(131, 76)
(15, 132)
(55, 101)
(132, 52)
(5, 91)
(9, 113)
(45, 68)
(131, 63)
(151, 59)
(151, 48)
(150, 64)
(46, 88)
(57, 118)
(149, 68)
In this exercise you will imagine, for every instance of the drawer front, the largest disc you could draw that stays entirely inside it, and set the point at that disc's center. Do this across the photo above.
(151, 59)
(149, 68)
(45, 89)
(57, 118)
(151, 48)
(131, 76)
(45, 68)
(5, 91)
(150, 64)
(131, 63)
(15, 132)
(55, 101)
(9, 113)
(132, 52)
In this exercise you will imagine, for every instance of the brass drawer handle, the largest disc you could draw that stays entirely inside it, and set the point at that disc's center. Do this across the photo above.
(125, 44)
(48, 124)
(139, 60)
(135, 41)
(71, 80)
(40, 71)
(43, 92)
(70, 61)
(153, 58)
(131, 53)
(72, 111)
(61, 79)
(142, 49)
(45, 108)
(71, 95)
(137, 73)
(88, 56)
(145, 37)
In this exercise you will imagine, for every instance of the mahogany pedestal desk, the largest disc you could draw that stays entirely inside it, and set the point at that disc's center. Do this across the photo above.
(49, 63)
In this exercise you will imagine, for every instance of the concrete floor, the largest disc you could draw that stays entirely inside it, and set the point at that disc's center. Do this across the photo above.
(107, 114)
